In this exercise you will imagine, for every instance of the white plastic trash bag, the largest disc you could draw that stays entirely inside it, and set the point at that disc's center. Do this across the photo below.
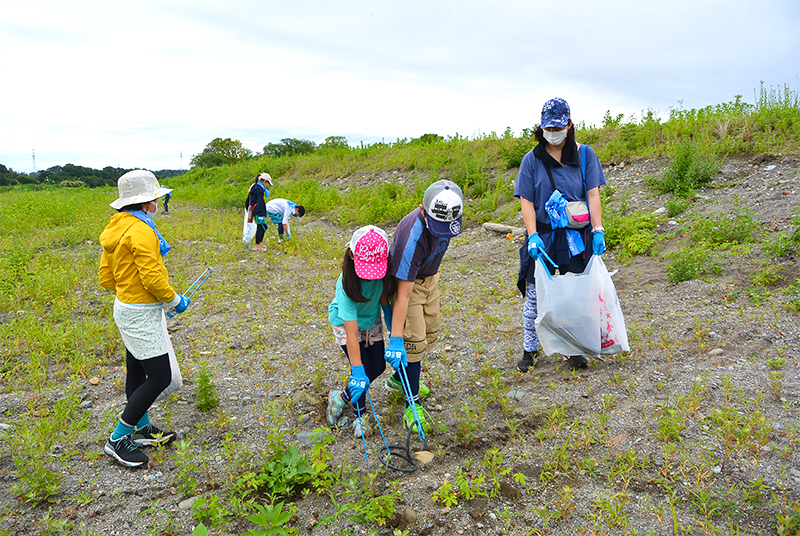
(248, 230)
(579, 313)
(613, 335)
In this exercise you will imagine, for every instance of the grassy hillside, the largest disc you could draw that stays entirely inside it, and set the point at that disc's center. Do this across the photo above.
(481, 166)
(257, 331)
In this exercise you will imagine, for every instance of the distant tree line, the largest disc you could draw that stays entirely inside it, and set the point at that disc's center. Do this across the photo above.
(226, 151)
(72, 175)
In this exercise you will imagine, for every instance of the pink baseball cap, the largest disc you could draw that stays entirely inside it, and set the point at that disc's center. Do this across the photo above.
(370, 247)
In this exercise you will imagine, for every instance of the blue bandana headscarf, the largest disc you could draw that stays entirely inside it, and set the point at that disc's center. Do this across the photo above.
(162, 244)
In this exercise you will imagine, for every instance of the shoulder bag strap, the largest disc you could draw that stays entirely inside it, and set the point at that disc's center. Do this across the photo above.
(550, 174)
(583, 176)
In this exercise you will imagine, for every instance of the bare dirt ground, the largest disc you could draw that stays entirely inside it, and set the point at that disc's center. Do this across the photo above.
(701, 346)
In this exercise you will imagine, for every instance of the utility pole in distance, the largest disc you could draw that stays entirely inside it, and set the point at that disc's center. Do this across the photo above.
(33, 157)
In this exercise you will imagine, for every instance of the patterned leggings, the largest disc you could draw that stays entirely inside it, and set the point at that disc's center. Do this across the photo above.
(529, 313)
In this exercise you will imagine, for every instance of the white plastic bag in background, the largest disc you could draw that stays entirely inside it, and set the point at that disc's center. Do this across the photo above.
(579, 313)
(248, 230)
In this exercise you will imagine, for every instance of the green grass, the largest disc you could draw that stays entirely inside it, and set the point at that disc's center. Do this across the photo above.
(56, 330)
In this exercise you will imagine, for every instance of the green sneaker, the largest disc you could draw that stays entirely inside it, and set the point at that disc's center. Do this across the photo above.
(408, 418)
(395, 386)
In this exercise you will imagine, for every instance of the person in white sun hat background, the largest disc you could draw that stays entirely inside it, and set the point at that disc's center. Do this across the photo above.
(418, 247)
(355, 317)
(132, 266)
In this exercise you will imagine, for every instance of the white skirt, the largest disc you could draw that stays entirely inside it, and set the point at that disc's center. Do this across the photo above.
(143, 328)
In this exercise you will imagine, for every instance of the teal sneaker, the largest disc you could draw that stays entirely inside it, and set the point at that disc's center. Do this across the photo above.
(335, 407)
(361, 427)
(395, 386)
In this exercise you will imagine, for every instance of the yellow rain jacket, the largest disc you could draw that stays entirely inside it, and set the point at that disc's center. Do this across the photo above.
(131, 264)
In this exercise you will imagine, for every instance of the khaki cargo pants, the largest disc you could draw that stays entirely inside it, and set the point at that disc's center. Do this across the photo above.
(423, 319)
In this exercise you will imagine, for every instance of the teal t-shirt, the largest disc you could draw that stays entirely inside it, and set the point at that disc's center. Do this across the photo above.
(343, 308)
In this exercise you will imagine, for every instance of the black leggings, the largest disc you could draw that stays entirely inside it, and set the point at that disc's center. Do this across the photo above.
(260, 232)
(374, 365)
(146, 379)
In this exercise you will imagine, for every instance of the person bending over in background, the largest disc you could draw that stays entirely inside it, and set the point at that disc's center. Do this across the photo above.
(355, 316)
(418, 246)
(555, 164)
(280, 211)
(257, 209)
(132, 267)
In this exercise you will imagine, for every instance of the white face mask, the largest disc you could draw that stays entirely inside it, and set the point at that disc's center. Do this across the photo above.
(151, 214)
(557, 137)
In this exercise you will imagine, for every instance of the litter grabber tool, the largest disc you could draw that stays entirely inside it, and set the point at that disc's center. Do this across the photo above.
(266, 227)
(544, 256)
(410, 399)
(378, 423)
(194, 287)
(389, 453)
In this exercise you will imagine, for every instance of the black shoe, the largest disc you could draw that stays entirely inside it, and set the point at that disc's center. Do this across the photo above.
(578, 362)
(150, 436)
(126, 452)
(529, 360)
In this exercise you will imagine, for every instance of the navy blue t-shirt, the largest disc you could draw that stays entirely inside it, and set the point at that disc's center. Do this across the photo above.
(416, 253)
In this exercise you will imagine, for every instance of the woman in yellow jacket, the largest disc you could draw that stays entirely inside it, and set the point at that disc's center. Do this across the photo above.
(132, 267)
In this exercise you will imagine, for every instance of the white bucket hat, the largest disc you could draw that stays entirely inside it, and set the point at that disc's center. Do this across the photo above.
(138, 186)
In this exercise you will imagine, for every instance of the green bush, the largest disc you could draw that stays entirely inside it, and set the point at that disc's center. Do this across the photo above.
(280, 476)
(689, 169)
(677, 205)
(632, 235)
(721, 231)
(690, 263)
(206, 391)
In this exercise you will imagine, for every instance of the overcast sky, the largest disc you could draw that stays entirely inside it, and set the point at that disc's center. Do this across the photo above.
(137, 84)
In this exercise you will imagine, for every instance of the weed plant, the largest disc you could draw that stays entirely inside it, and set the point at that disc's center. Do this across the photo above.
(691, 263)
(688, 170)
(206, 391)
(722, 231)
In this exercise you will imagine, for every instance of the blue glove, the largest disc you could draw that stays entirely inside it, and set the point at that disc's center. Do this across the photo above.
(359, 383)
(184, 303)
(598, 243)
(535, 246)
(387, 316)
(287, 236)
(395, 355)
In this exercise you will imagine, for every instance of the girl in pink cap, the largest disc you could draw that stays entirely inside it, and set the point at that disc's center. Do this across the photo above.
(362, 290)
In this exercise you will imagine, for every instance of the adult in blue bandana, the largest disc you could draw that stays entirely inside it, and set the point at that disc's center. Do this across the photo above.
(556, 166)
